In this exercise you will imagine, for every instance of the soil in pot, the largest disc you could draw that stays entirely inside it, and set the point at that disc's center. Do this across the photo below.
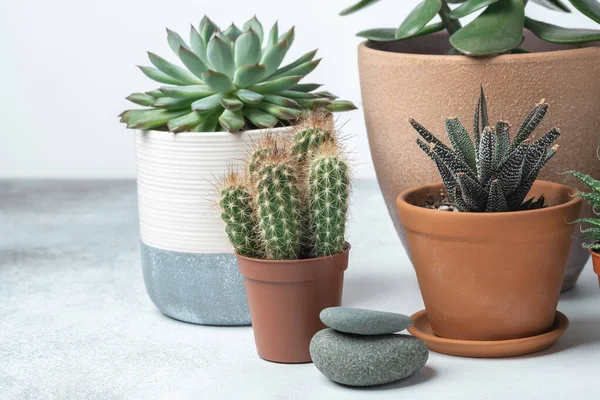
(285, 299)
(490, 276)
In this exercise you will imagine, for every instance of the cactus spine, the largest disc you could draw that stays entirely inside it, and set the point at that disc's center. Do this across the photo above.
(328, 205)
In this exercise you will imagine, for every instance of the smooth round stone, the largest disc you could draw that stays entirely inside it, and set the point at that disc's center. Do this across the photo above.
(358, 360)
(364, 322)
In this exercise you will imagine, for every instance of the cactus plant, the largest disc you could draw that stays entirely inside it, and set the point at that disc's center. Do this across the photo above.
(315, 129)
(232, 81)
(592, 233)
(496, 30)
(490, 173)
(328, 200)
(298, 206)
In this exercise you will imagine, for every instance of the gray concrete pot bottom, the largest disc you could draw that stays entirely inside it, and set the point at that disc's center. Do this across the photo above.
(204, 289)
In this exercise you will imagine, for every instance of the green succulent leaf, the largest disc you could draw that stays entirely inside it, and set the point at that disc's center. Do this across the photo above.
(220, 56)
(209, 121)
(255, 25)
(555, 5)
(156, 93)
(341, 106)
(247, 49)
(305, 58)
(306, 87)
(558, 34)
(232, 121)
(159, 76)
(231, 104)
(389, 34)
(314, 103)
(280, 112)
(496, 30)
(172, 104)
(142, 99)
(281, 100)
(207, 103)
(358, 6)
(192, 62)
(175, 41)
(151, 119)
(289, 36)
(587, 180)
(197, 45)
(293, 94)
(590, 8)
(461, 142)
(248, 96)
(207, 29)
(248, 75)
(273, 36)
(302, 69)
(325, 93)
(191, 91)
(172, 70)
(273, 57)
(276, 85)
(416, 20)
(233, 32)
(260, 118)
(185, 122)
(218, 81)
(469, 7)
(591, 221)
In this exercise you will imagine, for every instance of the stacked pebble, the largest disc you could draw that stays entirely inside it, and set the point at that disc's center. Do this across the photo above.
(360, 348)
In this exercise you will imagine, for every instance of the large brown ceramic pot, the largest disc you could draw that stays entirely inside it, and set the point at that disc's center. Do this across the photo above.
(285, 300)
(412, 79)
(490, 276)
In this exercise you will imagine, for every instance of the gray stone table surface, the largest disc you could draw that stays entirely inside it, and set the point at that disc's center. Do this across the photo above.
(76, 323)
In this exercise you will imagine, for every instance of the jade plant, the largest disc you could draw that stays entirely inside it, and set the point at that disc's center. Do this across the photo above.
(490, 173)
(292, 203)
(497, 29)
(232, 80)
(593, 198)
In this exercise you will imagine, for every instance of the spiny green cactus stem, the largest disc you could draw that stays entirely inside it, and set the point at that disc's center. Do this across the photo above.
(232, 80)
(315, 129)
(489, 173)
(592, 233)
(329, 182)
(279, 208)
(262, 150)
(235, 204)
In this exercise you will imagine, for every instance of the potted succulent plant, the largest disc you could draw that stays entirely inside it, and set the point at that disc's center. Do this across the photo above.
(423, 67)
(492, 269)
(232, 85)
(592, 232)
(286, 218)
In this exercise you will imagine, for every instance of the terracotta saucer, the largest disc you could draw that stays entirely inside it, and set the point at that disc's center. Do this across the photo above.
(487, 349)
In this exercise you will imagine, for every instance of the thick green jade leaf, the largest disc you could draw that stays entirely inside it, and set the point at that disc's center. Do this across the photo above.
(248, 75)
(496, 30)
(232, 121)
(358, 6)
(192, 62)
(274, 56)
(389, 34)
(207, 103)
(276, 85)
(218, 82)
(191, 91)
(260, 118)
(418, 18)
(248, 96)
(256, 26)
(555, 5)
(172, 70)
(469, 7)
(247, 49)
(557, 34)
(220, 56)
(590, 8)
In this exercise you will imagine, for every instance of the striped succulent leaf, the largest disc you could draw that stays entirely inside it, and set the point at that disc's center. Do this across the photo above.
(489, 173)
(592, 232)
(231, 80)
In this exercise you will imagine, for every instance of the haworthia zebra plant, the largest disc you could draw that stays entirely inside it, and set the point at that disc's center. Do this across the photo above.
(490, 173)
(232, 80)
(298, 199)
(499, 28)
(593, 198)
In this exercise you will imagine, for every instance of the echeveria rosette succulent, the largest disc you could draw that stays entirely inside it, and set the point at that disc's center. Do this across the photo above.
(498, 29)
(592, 233)
(232, 80)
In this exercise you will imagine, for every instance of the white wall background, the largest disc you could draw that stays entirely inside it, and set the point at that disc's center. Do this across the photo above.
(67, 65)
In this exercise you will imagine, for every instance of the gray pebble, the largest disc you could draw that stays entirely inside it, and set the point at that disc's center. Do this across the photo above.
(364, 322)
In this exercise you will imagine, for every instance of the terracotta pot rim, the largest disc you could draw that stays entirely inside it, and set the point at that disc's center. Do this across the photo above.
(595, 262)
(301, 260)
(402, 203)
(499, 59)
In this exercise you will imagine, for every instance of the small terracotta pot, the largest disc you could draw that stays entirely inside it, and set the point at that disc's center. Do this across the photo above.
(285, 299)
(596, 263)
(490, 276)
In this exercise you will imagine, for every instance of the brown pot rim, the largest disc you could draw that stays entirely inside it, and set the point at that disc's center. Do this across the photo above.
(589, 51)
(481, 216)
(596, 261)
(306, 269)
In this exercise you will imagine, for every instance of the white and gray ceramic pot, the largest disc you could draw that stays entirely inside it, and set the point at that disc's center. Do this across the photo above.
(190, 271)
